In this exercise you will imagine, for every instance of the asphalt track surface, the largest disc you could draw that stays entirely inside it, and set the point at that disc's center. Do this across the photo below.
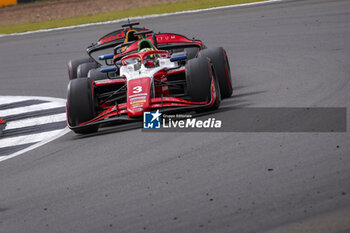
(291, 54)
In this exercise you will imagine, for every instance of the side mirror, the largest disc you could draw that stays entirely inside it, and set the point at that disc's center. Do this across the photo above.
(105, 57)
(178, 58)
(108, 69)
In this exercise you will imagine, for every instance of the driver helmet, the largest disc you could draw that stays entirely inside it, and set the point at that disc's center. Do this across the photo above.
(151, 60)
(145, 43)
(130, 36)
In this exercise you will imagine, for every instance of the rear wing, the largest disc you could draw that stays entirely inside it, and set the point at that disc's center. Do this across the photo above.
(110, 40)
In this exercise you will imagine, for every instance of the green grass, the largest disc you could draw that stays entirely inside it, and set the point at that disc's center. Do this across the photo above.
(155, 9)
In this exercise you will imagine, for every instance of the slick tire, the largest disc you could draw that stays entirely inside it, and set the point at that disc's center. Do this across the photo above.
(219, 59)
(191, 52)
(95, 74)
(73, 66)
(83, 69)
(199, 74)
(80, 104)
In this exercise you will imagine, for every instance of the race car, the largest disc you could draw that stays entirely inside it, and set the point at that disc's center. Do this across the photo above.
(147, 78)
(123, 42)
(80, 67)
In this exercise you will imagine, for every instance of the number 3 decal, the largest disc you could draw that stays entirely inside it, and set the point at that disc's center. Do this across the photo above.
(137, 89)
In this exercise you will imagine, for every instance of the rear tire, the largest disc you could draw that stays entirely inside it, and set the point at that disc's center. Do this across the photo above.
(80, 105)
(73, 66)
(95, 74)
(219, 59)
(191, 52)
(199, 73)
(83, 69)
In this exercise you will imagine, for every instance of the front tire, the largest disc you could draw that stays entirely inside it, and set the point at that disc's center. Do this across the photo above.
(199, 75)
(219, 59)
(80, 105)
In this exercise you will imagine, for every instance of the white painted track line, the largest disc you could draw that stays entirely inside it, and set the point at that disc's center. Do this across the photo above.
(13, 99)
(37, 139)
(36, 121)
(47, 140)
(20, 140)
(31, 108)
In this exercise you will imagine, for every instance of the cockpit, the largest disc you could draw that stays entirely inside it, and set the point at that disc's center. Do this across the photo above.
(147, 60)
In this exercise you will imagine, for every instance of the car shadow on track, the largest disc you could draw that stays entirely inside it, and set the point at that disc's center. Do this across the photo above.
(111, 128)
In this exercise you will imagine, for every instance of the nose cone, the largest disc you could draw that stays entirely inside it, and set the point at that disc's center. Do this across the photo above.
(139, 96)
